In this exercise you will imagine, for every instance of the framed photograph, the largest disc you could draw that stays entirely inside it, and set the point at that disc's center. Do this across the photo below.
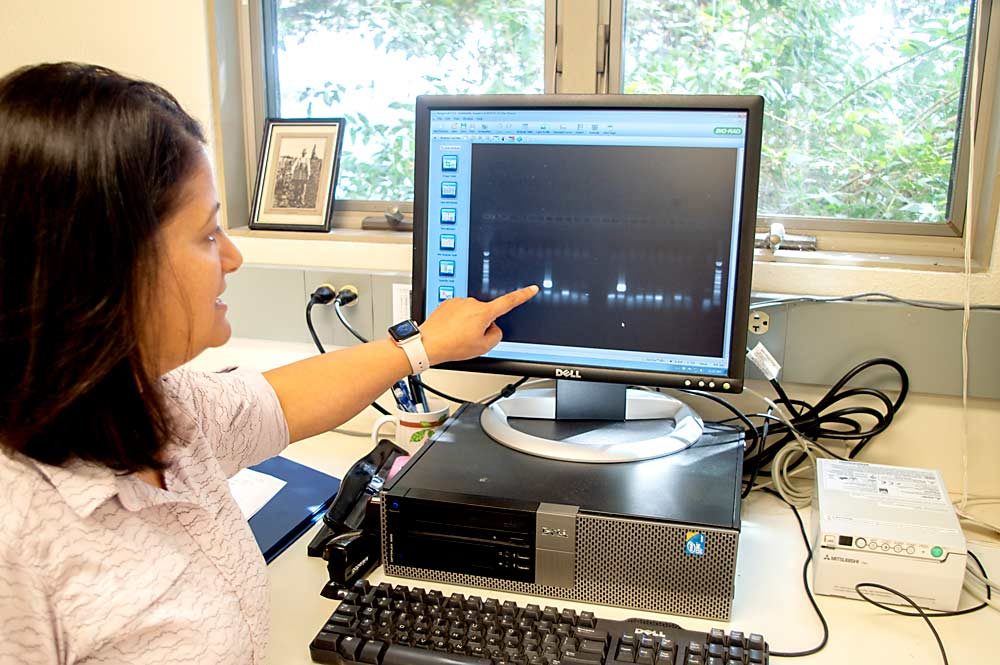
(297, 174)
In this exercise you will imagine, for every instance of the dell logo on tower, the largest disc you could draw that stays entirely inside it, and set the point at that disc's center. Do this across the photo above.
(567, 374)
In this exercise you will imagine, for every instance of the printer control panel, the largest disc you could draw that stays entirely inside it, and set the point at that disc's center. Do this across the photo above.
(873, 544)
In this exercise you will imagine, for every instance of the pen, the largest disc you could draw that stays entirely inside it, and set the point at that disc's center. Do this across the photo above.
(402, 395)
(417, 390)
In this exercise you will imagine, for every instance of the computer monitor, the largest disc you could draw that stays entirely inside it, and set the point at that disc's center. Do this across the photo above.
(634, 214)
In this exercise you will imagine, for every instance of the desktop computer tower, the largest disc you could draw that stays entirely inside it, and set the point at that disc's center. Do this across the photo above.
(659, 535)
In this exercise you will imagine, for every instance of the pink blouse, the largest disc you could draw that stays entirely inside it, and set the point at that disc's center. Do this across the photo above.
(103, 568)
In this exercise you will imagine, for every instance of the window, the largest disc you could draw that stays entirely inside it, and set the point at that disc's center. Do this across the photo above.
(864, 99)
(367, 62)
(867, 117)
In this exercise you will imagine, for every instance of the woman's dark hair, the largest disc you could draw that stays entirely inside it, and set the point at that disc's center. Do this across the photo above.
(91, 163)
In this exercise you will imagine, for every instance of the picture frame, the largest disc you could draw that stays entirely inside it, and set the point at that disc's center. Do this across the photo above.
(297, 174)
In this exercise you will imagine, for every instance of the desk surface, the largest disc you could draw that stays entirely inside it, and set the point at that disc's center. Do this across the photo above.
(769, 597)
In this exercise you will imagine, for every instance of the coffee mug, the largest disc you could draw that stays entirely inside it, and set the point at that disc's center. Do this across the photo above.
(412, 429)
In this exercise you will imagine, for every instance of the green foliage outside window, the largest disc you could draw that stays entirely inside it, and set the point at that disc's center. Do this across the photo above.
(862, 98)
(473, 47)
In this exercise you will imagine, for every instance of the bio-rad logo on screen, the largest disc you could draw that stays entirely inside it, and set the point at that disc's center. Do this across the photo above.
(567, 374)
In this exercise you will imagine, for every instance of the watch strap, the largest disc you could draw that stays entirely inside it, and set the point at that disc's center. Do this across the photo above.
(416, 354)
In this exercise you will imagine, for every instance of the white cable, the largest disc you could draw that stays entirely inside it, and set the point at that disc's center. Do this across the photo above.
(966, 517)
(971, 570)
(349, 432)
(967, 258)
(979, 594)
(799, 495)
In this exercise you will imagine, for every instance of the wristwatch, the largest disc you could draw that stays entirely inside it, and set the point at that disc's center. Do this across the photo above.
(406, 335)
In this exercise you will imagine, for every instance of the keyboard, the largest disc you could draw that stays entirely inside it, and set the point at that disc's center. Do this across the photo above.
(397, 625)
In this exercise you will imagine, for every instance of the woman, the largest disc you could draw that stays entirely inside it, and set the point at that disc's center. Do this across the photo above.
(119, 540)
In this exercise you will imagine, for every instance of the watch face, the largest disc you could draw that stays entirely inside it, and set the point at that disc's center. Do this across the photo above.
(403, 330)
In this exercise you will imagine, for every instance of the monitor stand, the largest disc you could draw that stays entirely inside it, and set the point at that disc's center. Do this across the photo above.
(592, 422)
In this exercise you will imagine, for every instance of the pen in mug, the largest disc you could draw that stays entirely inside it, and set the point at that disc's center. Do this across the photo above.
(402, 394)
(417, 390)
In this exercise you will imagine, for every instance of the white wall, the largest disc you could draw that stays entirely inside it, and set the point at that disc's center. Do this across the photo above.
(163, 41)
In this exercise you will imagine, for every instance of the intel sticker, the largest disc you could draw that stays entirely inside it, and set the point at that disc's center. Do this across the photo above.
(694, 543)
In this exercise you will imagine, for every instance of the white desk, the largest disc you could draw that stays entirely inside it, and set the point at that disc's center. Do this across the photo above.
(769, 597)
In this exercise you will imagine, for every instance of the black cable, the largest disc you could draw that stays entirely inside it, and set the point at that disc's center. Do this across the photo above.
(921, 613)
(506, 391)
(319, 297)
(309, 324)
(936, 613)
(755, 461)
(750, 429)
(350, 328)
(805, 584)
(437, 392)
(345, 297)
(828, 419)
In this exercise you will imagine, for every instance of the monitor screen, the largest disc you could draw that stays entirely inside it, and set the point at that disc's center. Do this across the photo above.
(633, 214)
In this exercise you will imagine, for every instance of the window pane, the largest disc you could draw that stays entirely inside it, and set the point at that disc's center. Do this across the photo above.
(862, 98)
(367, 61)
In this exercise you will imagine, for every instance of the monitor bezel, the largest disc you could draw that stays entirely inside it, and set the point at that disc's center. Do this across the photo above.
(753, 105)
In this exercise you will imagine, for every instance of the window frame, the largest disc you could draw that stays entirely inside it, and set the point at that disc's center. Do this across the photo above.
(892, 240)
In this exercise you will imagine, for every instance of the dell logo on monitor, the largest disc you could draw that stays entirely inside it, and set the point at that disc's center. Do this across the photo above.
(567, 374)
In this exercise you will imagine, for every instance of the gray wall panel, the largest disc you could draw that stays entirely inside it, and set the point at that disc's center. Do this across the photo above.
(815, 343)
(267, 303)
(826, 340)
(359, 315)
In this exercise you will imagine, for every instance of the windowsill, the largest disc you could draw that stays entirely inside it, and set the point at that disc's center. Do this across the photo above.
(788, 272)
(335, 235)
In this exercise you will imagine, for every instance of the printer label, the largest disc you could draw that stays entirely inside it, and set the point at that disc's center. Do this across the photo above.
(694, 543)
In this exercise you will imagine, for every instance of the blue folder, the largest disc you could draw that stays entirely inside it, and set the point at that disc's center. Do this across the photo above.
(295, 508)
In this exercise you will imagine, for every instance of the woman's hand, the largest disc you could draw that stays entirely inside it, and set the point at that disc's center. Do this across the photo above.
(462, 328)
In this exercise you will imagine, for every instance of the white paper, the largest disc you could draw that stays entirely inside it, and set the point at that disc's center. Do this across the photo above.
(253, 489)
(400, 302)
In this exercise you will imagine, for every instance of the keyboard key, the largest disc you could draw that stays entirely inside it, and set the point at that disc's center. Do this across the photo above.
(578, 658)
(400, 655)
(592, 634)
(372, 651)
(626, 654)
(326, 641)
(664, 658)
(349, 647)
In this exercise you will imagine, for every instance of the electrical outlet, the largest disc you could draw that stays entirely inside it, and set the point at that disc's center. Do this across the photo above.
(759, 322)
(350, 287)
(358, 314)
